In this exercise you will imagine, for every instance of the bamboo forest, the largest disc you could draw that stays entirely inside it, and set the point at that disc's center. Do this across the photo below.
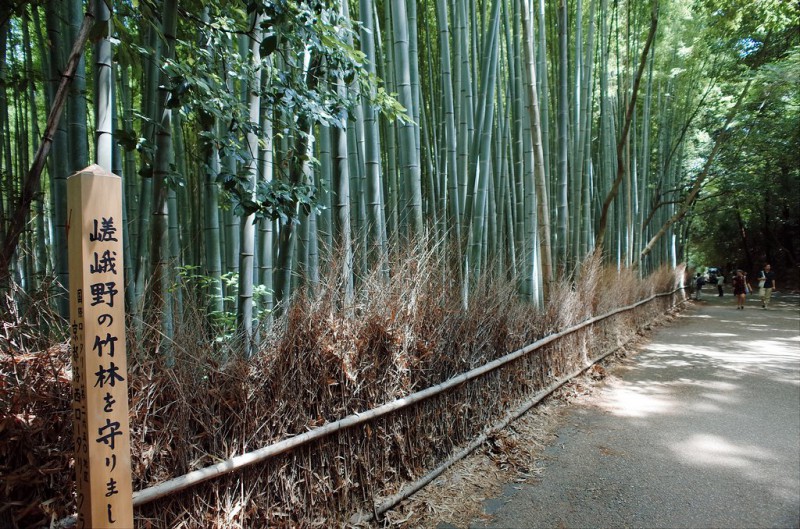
(328, 205)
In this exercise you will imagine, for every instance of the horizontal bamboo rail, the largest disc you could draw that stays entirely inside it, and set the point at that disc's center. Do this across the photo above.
(196, 477)
(513, 415)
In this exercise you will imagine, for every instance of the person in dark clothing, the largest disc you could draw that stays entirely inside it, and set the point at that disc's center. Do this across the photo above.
(740, 289)
(699, 281)
(766, 285)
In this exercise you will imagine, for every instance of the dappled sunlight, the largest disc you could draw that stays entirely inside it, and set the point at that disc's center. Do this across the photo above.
(773, 347)
(718, 397)
(733, 323)
(716, 400)
(784, 304)
(706, 407)
(695, 316)
(663, 362)
(775, 353)
(637, 402)
(703, 450)
(758, 326)
(649, 397)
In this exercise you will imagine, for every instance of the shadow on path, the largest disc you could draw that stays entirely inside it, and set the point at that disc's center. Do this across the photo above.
(700, 429)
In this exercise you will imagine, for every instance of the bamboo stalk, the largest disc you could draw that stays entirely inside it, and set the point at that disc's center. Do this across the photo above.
(180, 483)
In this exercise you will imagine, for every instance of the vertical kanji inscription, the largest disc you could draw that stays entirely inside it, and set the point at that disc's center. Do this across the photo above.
(97, 350)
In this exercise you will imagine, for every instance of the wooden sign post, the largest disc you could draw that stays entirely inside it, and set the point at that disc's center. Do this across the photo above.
(97, 348)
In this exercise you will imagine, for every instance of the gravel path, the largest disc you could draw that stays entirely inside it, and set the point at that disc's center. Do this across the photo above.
(700, 429)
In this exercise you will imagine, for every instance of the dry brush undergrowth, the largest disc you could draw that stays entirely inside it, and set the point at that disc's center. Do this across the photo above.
(320, 362)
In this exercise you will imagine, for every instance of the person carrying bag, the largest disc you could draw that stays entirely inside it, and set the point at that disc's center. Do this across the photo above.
(766, 285)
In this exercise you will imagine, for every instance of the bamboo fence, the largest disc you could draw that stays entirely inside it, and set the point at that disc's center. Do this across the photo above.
(233, 464)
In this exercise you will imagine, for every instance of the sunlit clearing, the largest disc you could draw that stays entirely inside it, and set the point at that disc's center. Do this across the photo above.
(705, 450)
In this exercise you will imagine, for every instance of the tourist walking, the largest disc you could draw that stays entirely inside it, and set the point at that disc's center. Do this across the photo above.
(720, 283)
(740, 289)
(698, 286)
(766, 285)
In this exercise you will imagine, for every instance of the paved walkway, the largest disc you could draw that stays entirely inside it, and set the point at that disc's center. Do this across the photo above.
(701, 429)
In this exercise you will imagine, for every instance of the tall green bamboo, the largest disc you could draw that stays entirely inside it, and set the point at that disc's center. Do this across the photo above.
(480, 177)
(325, 189)
(543, 85)
(723, 136)
(59, 169)
(375, 204)
(542, 202)
(562, 198)
(103, 88)
(40, 242)
(265, 225)
(247, 238)
(178, 217)
(299, 173)
(521, 193)
(160, 298)
(342, 230)
(211, 230)
(585, 135)
(643, 162)
(5, 160)
(130, 196)
(575, 153)
(472, 167)
(31, 181)
(411, 206)
(449, 163)
(149, 108)
(630, 108)
(76, 106)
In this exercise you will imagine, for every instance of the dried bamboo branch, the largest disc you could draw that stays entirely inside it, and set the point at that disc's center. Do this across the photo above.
(414, 487)
(235, 463)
